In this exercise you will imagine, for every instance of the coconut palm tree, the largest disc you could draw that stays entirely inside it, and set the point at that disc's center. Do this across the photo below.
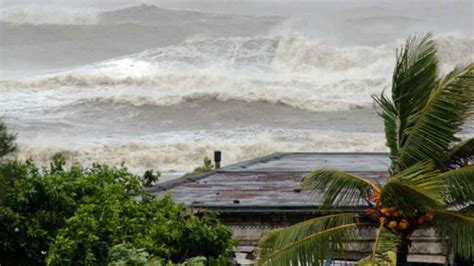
(430, 181)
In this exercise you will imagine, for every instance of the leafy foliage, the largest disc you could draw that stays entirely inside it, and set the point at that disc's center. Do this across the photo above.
(385, 243)
(416, 189)
(309, 242)
(424, 112)
(120, 255)
(339, 188)
(382, 249)
(441, 118)
(7, 140)
(414, 76)
(460, 184)
(460, 154)
(458, 228)
(149, 178)
(206, 167)
(62, 216)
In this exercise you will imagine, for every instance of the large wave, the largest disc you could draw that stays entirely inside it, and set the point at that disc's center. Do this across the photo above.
(288, 69)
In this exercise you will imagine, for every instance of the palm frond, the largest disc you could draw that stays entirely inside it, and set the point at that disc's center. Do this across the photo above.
(460, 185)
(414, 77)
(461, 153)
(383, 250)
(391, 123)
(340, 188)
(435, 126)
(418, 188)
(385, 241)
(458, 229)
(309, 242)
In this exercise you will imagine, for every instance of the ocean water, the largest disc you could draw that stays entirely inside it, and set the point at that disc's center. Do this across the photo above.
(162, 87)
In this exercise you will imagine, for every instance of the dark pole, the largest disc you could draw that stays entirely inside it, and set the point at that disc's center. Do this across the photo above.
(217, 159)
(402, 251)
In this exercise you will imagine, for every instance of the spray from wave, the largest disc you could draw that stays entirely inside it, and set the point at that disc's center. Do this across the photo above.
(48, 15)
(285, 69)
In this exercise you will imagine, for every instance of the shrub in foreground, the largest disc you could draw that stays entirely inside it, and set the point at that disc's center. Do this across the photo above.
(75, 216)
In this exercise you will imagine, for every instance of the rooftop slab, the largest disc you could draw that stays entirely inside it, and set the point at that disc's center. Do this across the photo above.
(307, 162)
(270, 182)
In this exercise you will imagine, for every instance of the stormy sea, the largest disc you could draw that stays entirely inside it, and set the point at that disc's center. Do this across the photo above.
(162, 85)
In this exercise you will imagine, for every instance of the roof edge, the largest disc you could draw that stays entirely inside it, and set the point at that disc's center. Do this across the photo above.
(244, 164)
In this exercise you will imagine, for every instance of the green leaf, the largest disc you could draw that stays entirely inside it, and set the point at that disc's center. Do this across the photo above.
(458, 229)
(418, 188)
(460, 153)
(460, 185)
(434, 128)
(340, 188)
(309, 242)
(391, 122)
(385, 241)
(7, 140)
(414, 77)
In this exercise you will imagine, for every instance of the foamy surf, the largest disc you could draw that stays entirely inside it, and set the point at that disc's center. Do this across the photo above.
(37, 14)
(183, 157)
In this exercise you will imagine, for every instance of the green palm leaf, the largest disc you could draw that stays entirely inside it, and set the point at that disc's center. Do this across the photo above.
(435, 126)
(418, 188)
(460, 153)
(340, 188)
(459, 229)
(414, 77)
(460, 185)
(309, 242)
(385, 242)
(391, 123)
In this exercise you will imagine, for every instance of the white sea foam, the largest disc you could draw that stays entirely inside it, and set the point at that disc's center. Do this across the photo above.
(182, 157)
(48, 15)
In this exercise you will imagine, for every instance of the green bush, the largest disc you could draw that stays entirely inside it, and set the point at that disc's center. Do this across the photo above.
(60, 216)
(7, 141)
(121, 255)
(206, 167)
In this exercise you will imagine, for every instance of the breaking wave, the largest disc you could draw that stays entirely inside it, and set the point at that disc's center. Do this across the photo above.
(183, 157)
(285, 69)
(276, 69)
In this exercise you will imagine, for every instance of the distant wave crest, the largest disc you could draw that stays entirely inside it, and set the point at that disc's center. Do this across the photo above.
(48, 15)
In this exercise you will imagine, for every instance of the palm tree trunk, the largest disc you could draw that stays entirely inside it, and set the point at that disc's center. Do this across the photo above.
(402, 251)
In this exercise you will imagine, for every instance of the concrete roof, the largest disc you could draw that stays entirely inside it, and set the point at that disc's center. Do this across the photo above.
(271, 182)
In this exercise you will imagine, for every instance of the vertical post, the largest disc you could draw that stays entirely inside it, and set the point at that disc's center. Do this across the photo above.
(403, 250)
(217, 159)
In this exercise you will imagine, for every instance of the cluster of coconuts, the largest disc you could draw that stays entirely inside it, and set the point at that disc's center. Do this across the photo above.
(392, 218)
